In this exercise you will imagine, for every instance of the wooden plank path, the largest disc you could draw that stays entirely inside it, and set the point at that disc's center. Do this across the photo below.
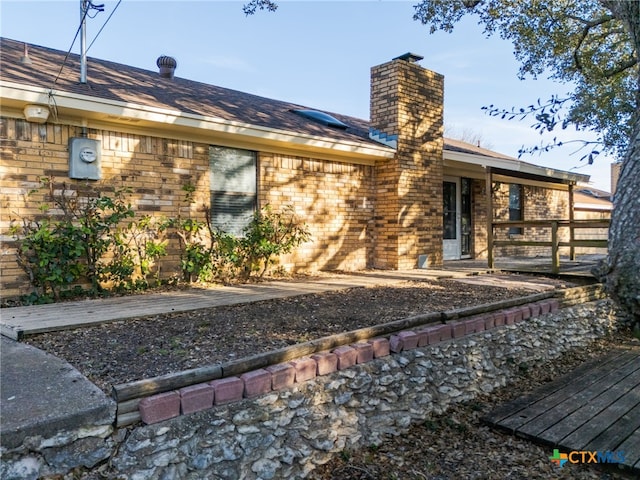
(16, 322)
(596, 407)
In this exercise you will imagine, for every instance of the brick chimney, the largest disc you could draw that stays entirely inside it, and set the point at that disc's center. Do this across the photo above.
(615, 174)
(408, 101)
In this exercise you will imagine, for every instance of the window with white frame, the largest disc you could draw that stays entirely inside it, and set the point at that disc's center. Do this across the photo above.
(233, 188)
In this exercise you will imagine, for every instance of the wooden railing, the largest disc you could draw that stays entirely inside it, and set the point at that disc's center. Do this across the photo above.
(554, 242)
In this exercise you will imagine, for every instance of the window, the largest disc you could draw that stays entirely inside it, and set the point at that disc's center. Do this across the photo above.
(233, 188)
(515, 207)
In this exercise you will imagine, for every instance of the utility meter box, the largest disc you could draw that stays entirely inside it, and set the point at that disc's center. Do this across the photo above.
(84, 158)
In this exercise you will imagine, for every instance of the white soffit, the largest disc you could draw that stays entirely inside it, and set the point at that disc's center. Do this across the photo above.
(514, 165)
(109, 112)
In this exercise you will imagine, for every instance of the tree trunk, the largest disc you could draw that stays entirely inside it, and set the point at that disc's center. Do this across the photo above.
(621, 272)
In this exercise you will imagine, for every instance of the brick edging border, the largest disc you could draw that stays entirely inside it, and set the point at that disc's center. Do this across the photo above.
(129, 396)
(202, 396)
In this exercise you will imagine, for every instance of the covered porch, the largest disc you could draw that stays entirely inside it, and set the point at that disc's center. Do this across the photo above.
(512, 215)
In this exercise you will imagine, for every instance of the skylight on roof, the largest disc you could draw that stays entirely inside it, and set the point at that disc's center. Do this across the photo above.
(321, 117)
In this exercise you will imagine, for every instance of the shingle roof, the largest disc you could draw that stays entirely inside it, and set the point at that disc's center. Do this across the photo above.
(579, 197)
(464, 147)
(119, 82)
(115, 81)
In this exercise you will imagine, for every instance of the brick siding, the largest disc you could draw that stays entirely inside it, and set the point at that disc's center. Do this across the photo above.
(478, 219)
(336, 202)
(335, 199)
(408, 100)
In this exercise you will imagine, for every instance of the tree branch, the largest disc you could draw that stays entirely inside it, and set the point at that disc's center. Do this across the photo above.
(591, 23)
(585, 33)
(543, 148)
(615, 71)
(255, 5)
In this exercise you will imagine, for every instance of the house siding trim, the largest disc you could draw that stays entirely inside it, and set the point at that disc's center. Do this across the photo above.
(516, 166)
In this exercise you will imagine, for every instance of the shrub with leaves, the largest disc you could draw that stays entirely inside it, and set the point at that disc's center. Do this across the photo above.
(85, 237)
(209, 254)
(196, 241)
(80, 238)
(51, 253)
(269, 235)
(99, 218)
(135, 253)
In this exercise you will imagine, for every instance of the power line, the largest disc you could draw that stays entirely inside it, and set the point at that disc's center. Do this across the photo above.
(104, 24)
(90, 6)
(84, 15)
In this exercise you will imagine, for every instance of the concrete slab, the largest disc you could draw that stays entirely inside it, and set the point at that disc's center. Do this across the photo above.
(41, 395)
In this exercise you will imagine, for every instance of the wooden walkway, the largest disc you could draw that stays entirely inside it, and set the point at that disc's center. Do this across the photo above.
(594, 408)
(16, 322)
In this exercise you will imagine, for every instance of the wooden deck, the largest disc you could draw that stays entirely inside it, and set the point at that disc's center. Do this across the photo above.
(581, 267)
(16, 322)
(594, 408)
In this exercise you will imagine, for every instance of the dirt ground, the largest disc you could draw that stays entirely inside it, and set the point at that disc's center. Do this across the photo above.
(145, 347)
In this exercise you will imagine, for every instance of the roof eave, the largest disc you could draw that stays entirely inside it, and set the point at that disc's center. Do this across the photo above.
(516, 166)
(93, 112)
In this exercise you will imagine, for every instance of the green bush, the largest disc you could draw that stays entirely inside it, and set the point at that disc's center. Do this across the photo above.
(208, 254)
(83, 239)
(95, 239)
(51, 253)
(269, 235)
(136, 249)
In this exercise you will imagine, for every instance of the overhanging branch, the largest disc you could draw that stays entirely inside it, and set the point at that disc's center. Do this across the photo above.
(588, 25)
(615, 71)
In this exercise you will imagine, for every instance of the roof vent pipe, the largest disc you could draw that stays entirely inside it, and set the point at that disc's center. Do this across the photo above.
(24, 59)
(167, 66)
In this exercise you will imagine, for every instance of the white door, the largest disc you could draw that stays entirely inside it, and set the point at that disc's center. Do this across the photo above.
(451, 219)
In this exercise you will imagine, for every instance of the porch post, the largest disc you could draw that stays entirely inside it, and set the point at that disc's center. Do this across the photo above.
(555, 249)
(489, 182)
(572, 249)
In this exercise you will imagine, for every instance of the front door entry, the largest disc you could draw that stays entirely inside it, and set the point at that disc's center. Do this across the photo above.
(451, 219)
(456, 218)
